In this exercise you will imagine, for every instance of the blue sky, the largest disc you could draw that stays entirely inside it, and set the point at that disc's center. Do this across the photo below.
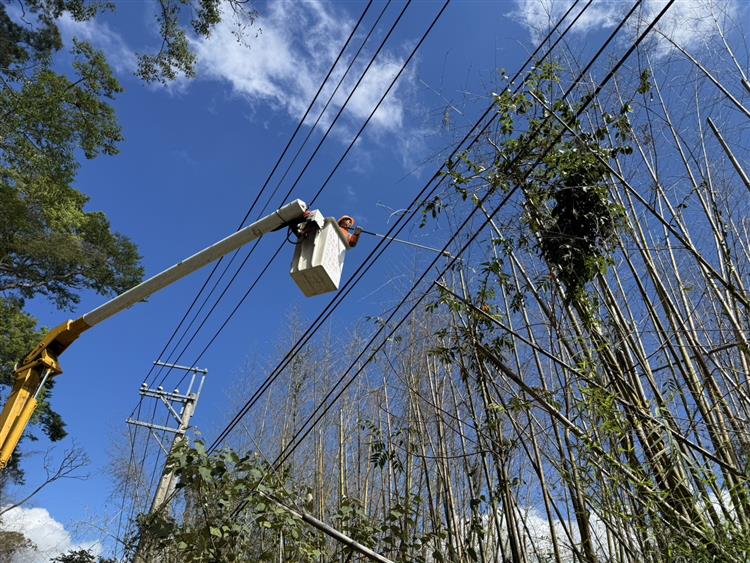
(196, 153)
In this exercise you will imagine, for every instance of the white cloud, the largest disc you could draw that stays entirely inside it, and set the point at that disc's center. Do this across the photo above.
(99, 34)
(538, 16)
(687, 22)
(50, 536)
(279, 62)
(538, 540)
(284, 63)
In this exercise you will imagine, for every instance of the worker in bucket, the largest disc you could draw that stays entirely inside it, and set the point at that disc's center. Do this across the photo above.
(345, 224)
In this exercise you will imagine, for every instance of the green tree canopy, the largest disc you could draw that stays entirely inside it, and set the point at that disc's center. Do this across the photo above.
(51, 245)
(80, 556)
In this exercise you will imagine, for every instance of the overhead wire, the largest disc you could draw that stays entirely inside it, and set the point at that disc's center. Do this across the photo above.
(395, 229)
(247, 214)
(159, 453)
(268, 177)
(315, 417)
(326, 134)
(302, 145)
(299, 177)
(325, 107)
(406, 242)
(328, 178)
(387, 242)
(132, 435)
(321, 411)
(141, 468)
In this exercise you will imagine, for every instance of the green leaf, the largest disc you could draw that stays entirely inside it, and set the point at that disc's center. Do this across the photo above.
(205, 473)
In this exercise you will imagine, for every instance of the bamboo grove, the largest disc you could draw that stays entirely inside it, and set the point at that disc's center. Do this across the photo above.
(576, 390)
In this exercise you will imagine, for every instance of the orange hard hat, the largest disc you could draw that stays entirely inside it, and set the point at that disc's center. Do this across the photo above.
(345, 217)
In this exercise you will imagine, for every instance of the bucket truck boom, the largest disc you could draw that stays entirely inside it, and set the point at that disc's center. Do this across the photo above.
(42, 362)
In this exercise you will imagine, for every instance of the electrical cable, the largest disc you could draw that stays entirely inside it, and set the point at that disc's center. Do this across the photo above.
(141, 466)
(395, 229)
(247, 214)
(325, 183)
(315, 418)
(242, 412)
(270, 175)
(322, 112)
(133, 434)
(288, 168)
(406, 242)
(299, 177)
(308, 162)
(150, 490)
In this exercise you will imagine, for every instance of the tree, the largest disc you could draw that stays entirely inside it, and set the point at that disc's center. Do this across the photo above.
(12, 543)
(68, 466)
(210, 530)
(51, 246)
(80, 556)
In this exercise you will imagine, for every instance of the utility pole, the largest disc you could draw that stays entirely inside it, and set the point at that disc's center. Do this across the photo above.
(168, 480)
(186, 408)
(182, 414)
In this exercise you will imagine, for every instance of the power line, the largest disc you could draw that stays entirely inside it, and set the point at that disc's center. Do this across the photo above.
(325, 107)
(300, 434)
(132, 434)
(299, 177)
(380, 248)
(278, 185)
(406, 242)
(247, 214)
(312, 156)
(141, 467)
(339, 113)
(328, 178)
(238, 417)
(268, 178)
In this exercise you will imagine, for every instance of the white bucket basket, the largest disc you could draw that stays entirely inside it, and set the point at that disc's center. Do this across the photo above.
(319, 260)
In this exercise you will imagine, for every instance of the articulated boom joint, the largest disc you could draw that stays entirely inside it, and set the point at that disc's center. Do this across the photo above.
(29, 378)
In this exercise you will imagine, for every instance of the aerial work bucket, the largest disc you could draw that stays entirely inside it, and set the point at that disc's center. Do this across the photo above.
(319, 259)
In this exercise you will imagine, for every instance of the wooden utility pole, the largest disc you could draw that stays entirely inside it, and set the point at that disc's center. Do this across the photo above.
(185, 408)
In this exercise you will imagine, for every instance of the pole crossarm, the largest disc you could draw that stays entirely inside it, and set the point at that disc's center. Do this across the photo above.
(153, 426)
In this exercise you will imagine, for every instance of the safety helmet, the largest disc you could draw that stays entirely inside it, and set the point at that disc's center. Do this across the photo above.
(344, 218)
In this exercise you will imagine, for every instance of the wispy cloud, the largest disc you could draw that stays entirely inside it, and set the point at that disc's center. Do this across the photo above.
(278, 61)
(100, 35)
(48, 535)
(284, 63)
(688, 23)
(538, 16)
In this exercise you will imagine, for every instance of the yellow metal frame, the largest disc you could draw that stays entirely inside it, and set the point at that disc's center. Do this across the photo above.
(38, 364)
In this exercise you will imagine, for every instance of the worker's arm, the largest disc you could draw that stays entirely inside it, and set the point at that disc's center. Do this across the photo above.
(354, 237)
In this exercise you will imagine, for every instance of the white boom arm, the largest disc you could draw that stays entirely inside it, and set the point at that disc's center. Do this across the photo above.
(290, 212)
